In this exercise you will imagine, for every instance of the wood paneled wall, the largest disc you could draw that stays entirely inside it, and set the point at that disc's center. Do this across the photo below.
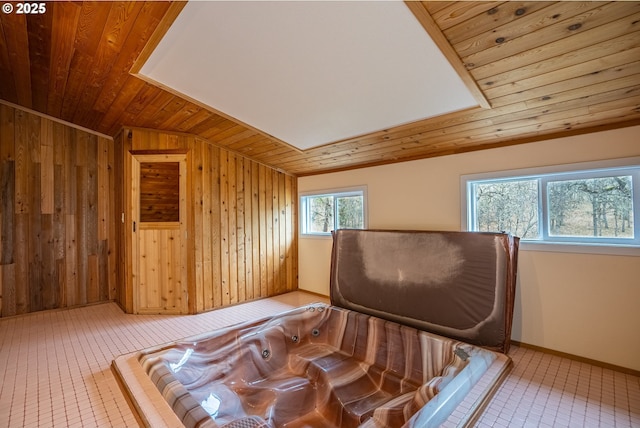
(56, 215)
(243, 217)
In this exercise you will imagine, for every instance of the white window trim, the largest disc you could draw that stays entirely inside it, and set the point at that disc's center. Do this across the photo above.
(332, 191)
(560, 247)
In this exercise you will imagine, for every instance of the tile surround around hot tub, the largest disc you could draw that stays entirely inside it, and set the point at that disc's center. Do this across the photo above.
(55, 371)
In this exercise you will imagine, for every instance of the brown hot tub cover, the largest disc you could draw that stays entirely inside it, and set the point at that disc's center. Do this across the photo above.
(455, 284)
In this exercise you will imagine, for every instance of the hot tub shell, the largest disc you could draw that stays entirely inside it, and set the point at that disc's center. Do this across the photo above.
(366, 360)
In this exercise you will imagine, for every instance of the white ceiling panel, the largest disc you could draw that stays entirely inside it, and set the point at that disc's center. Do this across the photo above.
(308, 73)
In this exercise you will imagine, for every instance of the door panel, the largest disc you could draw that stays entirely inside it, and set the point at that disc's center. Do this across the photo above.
(159, 256)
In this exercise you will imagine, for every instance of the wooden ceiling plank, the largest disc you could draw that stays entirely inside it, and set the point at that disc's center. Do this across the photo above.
(561, 124)
(600, 34)
(572, 83)
(436, 6)
(148, 19)
(563, 74)
(569, 119)
(303, 169)
(204, 126)
(39, 28)
(17, 41)
(141, 100)
(622, 43)
(630, 105)
(509, 18)
(271, 152)
(119, 24)
(578, 98)
(247, 145)
(93, 17)
(229, 132)
(110, 123)
(457, 12)
(627, 83)
(188, 110)
(199, 117)
(591, 16)
(162, 98)
(66, 16)
(8, 88)
(567, 123)
(218, 130)
(239, 136)
(167, 111)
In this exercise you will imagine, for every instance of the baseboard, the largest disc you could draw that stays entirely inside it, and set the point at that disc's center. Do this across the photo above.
(577, 358)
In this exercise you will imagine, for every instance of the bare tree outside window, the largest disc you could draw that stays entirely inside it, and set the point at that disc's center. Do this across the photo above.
(326, 212)
(509, 206)
(588, 207)
(321, 213)
(597, 207)
(350, 212)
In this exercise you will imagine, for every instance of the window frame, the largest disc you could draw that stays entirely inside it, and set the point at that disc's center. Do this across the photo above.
(335, 193)
(575, 171)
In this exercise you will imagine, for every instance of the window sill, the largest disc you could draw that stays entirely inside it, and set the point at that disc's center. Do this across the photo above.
(315, 236)
(555, 247)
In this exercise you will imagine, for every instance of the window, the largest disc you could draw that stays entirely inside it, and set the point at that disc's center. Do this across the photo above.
(323, 212)
(576, 205)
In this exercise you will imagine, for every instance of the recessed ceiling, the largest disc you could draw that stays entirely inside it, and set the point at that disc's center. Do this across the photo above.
(308, 73)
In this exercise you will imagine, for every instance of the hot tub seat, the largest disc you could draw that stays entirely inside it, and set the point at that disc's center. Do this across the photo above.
(318, 365)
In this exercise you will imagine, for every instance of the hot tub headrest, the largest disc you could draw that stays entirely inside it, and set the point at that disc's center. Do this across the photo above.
(456, 284)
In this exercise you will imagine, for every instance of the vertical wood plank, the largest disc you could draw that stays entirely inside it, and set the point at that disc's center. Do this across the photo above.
(103, 189)
(232, 228)
(9, 298)
(289, 228)
(281, 261)
(269, 220)
(207, 215)
(46, 167)
(82, 212)
(7, 193)
(103, 271)
(224, 227)
(91, 220)
(255, 227)
(264, 250)
(248, 228)
(93, 276)
(71, 282)
(22, 160)
(8, 306)
(114, 235)
(21, 245)
(199, 240)
(34, 230)
(240, 251)
(49, 275)
(216, 215)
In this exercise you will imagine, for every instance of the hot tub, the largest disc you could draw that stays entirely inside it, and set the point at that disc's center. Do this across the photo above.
(317, 366)
(416, 335)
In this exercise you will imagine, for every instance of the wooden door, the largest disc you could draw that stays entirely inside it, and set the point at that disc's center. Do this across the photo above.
(159, 233)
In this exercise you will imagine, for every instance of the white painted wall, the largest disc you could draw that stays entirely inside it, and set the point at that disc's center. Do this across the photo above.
(583, 304)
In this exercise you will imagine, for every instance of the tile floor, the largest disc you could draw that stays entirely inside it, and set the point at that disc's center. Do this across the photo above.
(55, 371)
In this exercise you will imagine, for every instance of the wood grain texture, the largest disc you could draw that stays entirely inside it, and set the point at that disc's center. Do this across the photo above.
(242, 222)
(52, 254)
(523, 57)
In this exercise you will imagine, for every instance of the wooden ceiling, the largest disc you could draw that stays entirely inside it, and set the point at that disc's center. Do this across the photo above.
(546, 69)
